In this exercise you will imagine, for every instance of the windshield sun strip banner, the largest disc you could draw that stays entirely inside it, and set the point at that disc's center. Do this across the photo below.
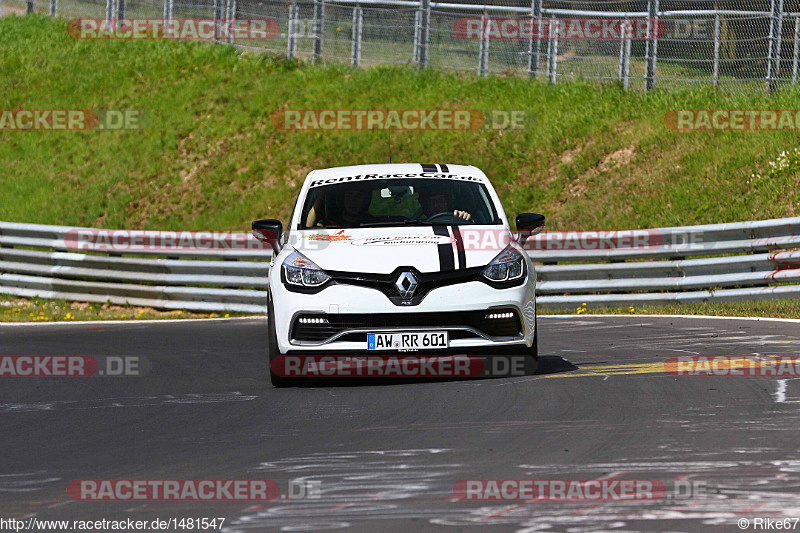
(368, 177)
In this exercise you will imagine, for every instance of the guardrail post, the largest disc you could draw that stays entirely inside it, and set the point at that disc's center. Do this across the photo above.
(534, 45)
(53, 8)
(483, 51)
(652, 45)
(358, 19)
(319, 29)
(291, 35)
(716, 49)
(774, 59)
(552, 50)
(424, 33)
(29, 7)
(796, 48)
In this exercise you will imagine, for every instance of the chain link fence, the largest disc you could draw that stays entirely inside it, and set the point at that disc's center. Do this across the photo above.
(742, 46)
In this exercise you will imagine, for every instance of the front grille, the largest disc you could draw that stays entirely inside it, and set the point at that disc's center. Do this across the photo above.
(426, 282)
(335, 324)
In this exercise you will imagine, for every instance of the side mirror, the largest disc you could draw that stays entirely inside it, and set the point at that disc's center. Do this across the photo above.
(268, 231)
(528, 224)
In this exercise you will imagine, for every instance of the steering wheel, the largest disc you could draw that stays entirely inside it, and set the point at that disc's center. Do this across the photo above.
(326, 223)
(448, 214)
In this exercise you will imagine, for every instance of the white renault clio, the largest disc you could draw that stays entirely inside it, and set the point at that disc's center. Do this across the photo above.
(400, 259)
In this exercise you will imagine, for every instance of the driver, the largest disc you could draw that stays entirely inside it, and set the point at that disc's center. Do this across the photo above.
(435, 201)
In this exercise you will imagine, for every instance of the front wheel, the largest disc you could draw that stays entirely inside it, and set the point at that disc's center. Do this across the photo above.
(532, 356)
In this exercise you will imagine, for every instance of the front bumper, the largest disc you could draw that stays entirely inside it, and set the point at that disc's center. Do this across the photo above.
(353, 311)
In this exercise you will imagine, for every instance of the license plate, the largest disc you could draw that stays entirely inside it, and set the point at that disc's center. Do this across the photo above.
(427, 340)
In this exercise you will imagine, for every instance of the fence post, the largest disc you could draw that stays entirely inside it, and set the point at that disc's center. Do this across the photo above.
(534, 44)
(552, 50)
(774, 59)
(417, 23)
(217, 19)
(358, 19)
(120, 11)
(291, 36)
(796, 48)
(483, 50)
(53, 8)
(319, 29)
(652, 45)
(716, 49)
(424, 34)
(167, 15)
(625, 55)
(231, 18)
(29, 7)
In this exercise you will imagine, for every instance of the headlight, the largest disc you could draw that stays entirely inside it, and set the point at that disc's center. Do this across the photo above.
(301, 271)
(507, 266)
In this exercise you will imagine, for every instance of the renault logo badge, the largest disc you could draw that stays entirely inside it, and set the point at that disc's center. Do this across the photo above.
(406, 285)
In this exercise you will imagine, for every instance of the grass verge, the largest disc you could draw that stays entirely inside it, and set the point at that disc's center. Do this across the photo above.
(788, 308)
(14, 309)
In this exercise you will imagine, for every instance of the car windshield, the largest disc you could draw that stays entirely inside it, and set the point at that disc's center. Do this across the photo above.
(398, 202)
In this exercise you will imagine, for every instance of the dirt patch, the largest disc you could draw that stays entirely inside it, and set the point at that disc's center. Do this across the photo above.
(617, 159)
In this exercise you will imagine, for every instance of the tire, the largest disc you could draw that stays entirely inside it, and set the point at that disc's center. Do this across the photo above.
(532, 355)
(272, 345)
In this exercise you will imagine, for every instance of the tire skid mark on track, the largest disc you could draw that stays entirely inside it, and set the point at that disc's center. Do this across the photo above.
(111, 403)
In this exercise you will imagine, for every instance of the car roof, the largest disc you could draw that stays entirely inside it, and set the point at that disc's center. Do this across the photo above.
(357, 173)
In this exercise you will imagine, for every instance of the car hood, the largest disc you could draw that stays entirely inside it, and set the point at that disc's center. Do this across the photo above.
(383, 250)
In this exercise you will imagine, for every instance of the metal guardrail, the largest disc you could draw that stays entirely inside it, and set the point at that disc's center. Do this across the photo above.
(35, 262)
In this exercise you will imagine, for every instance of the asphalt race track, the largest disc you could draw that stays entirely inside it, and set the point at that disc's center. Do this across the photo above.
(387, 456)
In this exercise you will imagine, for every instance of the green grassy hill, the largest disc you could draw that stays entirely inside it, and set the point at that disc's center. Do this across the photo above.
(595, 157)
